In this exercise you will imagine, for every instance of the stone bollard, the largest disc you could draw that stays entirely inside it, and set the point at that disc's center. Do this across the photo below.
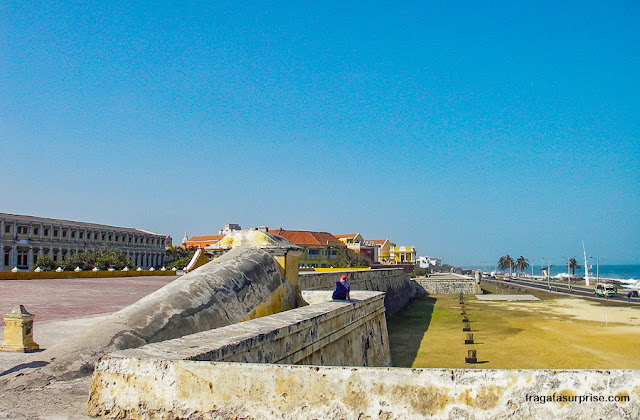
(469, 339)
(18, 331)
(465, 319)
(463, 312)
(466, 326)
(471, 357)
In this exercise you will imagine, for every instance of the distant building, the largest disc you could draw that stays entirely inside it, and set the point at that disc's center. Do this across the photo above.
(427, 262)
(356, 243)
(229, 228)
(402, 254)
(320, 248)
(382, 249)
(200, 241)
(25, 238)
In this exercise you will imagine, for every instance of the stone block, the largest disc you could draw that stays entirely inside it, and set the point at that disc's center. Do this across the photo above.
(18, 331)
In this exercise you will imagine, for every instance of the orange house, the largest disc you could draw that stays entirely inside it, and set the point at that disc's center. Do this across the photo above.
(200, 241)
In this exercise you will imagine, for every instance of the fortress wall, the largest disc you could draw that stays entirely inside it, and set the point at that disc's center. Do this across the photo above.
(144, 382)
(394, 282)
(447, 286)
(157, 388)
(243, 283)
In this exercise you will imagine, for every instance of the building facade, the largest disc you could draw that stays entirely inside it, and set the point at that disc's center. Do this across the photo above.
(320, 248)
(356, 243)
(25, 238)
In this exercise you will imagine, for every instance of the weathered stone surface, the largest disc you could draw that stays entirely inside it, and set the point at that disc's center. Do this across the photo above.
(332, 332)
(447, 284)
(154, 388)
(394, 282)
(220, 293)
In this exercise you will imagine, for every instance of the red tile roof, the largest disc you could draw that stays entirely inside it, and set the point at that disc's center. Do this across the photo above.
(308, 238)
(376, 241)
(202, 241)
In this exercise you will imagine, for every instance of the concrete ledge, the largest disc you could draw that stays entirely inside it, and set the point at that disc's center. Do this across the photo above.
(153, 388)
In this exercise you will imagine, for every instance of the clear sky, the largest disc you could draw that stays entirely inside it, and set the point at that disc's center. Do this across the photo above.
(467, 129)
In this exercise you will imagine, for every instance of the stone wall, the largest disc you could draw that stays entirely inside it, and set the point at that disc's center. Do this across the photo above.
(394, 282)
(222, 292)
(447, 284)
(129, 383)
(157, 388)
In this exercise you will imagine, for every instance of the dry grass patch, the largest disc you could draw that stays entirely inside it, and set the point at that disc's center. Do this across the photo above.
(550, 334)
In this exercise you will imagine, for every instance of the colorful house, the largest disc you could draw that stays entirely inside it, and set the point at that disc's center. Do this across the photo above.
(200, 241)
(320, 248)
(356, 243)
(402, 254)
(382, 248)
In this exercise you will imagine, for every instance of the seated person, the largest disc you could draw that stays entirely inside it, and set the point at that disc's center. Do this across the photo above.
(342, 290)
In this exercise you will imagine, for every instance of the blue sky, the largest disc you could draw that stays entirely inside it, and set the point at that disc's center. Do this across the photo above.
(467, 129)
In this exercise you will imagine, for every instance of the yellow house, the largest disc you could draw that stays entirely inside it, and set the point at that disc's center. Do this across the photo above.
(402, 254)
(383, 246)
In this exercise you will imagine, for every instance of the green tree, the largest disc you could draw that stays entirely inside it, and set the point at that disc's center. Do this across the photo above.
(505, 263)
(175, 254)
(180, 263)
(103, 258)
(522, 263)
(573, 265)
(349, 258)
(46, 263)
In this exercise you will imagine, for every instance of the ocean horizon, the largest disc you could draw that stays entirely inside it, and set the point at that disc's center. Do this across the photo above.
(609, 271)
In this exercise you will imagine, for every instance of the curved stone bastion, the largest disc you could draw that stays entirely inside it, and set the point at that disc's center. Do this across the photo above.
(143, 382)
(244, 283)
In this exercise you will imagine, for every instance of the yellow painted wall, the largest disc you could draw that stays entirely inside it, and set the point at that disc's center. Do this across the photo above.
(81, 275)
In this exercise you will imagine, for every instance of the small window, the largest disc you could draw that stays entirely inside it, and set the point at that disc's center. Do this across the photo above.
(7, 228)
(109, 237)
(55, 233)
(103, 236)
(46, 232)
(81, 235)
(36, 231)
(117, 238)
(73, 234)
(64, 233)
(129, 239)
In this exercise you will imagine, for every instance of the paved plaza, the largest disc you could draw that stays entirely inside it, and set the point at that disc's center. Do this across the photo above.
(60, 299)
(62, 307)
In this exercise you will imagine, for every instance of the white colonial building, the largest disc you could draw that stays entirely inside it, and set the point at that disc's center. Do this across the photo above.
(25, 238)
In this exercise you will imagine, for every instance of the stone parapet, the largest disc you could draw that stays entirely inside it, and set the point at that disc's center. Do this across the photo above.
(446, 285)
(393, 282)
(155, 388)
(331, 332)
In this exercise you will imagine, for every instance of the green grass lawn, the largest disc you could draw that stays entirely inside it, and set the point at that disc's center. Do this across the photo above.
(428, 333)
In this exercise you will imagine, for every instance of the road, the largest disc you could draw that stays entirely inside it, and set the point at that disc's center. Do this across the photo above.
(563, 288)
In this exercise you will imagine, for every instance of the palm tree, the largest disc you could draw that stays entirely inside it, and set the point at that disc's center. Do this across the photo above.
(506, 262)
(522, 263)
(573, 265)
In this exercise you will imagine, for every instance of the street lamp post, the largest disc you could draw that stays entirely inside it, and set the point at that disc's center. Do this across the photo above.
(568, 272)
(598, 266)
(548, 271)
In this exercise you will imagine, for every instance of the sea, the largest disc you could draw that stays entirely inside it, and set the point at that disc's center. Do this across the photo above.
(615, 272)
